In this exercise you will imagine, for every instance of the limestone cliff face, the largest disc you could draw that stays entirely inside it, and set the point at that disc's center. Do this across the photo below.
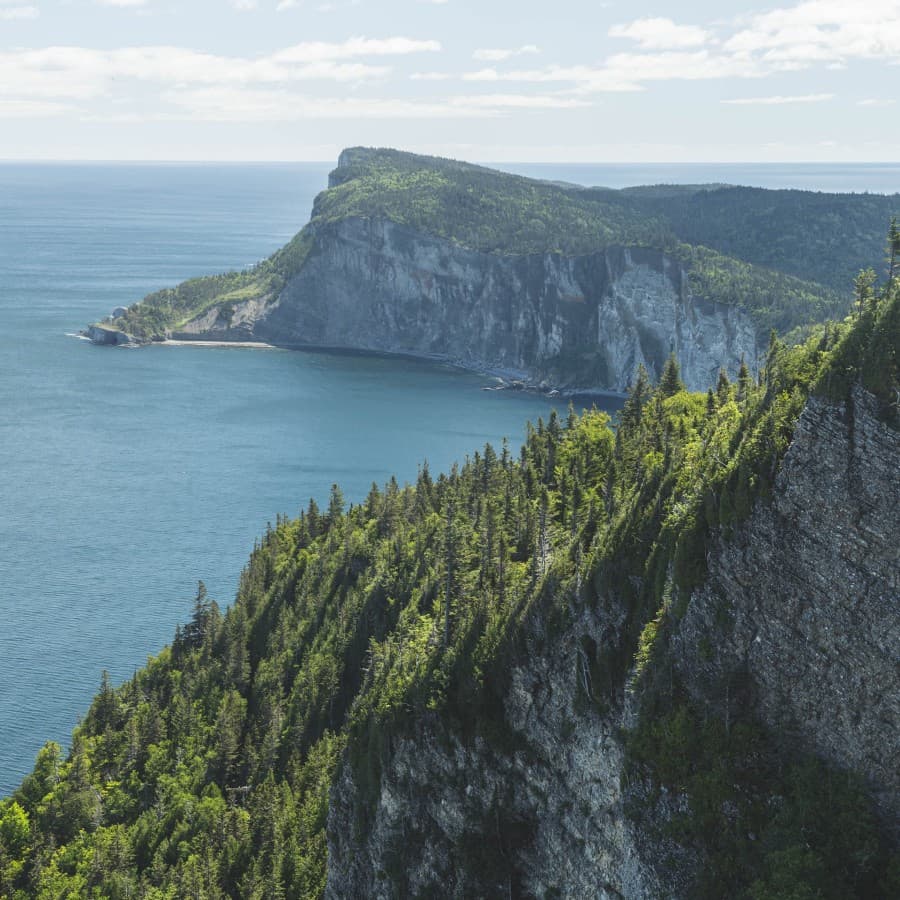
(578, 322)
(806, 595)
(111, 336)
(461, 818)
(799, 618)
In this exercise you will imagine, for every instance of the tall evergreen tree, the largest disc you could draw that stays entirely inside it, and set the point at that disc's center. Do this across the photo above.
(744, 381)
(670, 382)
(723, 388)
(893, 251)
(335, 504)
(864, 289)
(638, 394)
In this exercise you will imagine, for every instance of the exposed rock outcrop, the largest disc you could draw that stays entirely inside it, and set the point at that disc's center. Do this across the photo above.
(802, 604)
(449, 808)
(108, 336)
(578, 322)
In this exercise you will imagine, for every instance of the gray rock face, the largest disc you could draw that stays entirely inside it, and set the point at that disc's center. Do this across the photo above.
(802, 606)
(108, 336)
(451, 811)
(578, 322)
(799, 617)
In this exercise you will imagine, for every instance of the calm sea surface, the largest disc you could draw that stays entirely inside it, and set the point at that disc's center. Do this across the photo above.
(126, 475)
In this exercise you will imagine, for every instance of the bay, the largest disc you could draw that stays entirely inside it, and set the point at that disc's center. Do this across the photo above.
(127, 475)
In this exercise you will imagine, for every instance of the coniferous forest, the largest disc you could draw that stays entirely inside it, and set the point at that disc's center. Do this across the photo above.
(208, 774)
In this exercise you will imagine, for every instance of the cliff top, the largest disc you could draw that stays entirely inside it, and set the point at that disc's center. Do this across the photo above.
(816, 236)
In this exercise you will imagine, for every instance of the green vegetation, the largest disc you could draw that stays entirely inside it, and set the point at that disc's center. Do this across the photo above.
(777, 824)
(494, 212)
(208, 773)
(869, 353)
(171, 308)
(772, 299)
(484, 209)
(826, 238)
(771, 822)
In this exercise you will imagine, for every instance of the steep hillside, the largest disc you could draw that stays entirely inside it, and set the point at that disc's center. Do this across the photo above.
(822, 237)
(636, 663)
(495, 272)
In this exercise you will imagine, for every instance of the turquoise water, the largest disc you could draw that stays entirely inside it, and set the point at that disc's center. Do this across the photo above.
(126, 475)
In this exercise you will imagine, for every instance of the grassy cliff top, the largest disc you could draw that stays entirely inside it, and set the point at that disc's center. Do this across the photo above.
(484, 209)
(497, 212)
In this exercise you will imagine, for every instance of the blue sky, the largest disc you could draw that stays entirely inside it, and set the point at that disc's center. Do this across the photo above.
(567, 80)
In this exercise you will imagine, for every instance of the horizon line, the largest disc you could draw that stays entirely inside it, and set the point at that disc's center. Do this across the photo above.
(542, 162)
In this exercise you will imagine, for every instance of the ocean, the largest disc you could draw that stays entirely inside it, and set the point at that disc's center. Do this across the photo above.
(127, 475)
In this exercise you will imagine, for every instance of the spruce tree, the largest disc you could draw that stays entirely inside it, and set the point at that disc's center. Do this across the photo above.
(335, 504)
(670, 382)
(893, 251)
(743, 380)
(638, 393)
(864, 289)
(723, 388)
(195, 631)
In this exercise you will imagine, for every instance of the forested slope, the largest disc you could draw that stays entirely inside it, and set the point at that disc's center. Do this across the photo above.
(814, 235)
(210, 773)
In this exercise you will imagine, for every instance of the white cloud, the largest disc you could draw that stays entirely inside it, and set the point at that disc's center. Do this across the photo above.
(661, 34)
(243, 104)
(238, 104)
(431, 76)
(357, 46)
(779, 100)
(585, 78)
(142, 83)
(822, 31)
(211, 87)
(30, 109)
(629, 71)
(695, 65)
(877, 101)
(79, 72)
(817, 32)
(498, 55)
(518, 101)
(11, 12)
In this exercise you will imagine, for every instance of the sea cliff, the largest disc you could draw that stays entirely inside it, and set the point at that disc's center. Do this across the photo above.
(577, 322)
(571, 287)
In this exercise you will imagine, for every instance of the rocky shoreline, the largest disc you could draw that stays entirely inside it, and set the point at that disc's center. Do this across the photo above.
(503, 379)
(105, 336)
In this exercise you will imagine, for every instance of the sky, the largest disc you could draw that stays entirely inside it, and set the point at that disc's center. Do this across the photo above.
(486, 80)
